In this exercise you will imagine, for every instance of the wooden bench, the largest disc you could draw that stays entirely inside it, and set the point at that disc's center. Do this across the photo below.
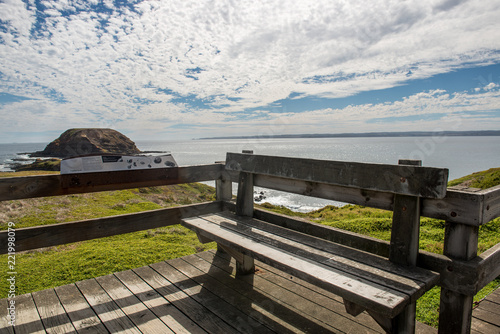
(387, 288)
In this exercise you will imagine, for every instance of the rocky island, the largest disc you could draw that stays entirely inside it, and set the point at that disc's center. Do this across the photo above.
(76, 142)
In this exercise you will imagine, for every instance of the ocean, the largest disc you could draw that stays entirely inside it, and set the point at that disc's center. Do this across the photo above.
(461, 155)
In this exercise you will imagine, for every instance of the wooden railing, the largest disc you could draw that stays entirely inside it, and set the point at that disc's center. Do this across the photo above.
(462, 272)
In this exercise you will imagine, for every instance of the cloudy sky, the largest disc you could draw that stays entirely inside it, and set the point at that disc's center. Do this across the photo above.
(187, 69)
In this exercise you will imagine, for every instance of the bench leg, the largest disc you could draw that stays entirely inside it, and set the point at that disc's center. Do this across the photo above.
(402, 323)
(244, 263)
(405, 321)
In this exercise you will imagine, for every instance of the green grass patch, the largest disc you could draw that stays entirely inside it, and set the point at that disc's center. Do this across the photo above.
(483, 180)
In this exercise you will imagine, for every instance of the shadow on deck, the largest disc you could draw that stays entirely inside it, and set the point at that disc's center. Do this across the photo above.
(193, 294)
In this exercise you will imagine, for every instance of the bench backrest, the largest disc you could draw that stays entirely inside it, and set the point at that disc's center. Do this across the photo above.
(428, 182)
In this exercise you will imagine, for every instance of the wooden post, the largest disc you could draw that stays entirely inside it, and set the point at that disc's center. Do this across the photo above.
(224, 188)
(244, 207)
(455, 309)
(404, 246)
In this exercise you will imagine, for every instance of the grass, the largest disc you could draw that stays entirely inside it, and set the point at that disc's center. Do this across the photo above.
(483, 180)
(55, 266)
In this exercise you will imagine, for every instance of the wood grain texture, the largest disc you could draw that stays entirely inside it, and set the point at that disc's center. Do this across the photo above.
(142, 317)
(458, 206)
(63, 233)
(491, 205)
(244, 199)
(5, 320)
(366, 293)
(399, 179)
(182, 301)
(115, 320)
(27, 319)
(79, 311)
(52, 313)
(455, 308)
(161, 307)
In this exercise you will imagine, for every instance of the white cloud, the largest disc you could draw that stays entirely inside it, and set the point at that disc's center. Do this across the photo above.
(235, 55)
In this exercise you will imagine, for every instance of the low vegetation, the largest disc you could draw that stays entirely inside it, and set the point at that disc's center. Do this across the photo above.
(49, 267)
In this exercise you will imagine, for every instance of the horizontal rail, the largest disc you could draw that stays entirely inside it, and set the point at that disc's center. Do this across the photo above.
(428, 182)
(489, 266)
(55, 185)
(491, 203)
(63, 233)
(457, 207)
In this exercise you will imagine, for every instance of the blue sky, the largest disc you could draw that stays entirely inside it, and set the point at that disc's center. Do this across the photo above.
(184, 69)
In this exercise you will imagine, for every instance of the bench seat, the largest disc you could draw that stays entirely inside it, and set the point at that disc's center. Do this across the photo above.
(364, 280)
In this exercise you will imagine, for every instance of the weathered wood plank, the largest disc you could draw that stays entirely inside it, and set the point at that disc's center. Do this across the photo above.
(482, 327)
(235, 318)
(405, 235)
(54, 185)
(106, 309)
(489, 267)
(371, 295)
(489, 306)
(487, 316)
(197, 312)
(244, 199)
(461, 275)
(161, 307)
(458, 206)
(79, 311)
(234, 305)
(5, 318)
(407, 180)
(54, 317)
(491, 204)
(455, 309)
(351, 239)
(63, 233)
(361, 264)
(145, 320)
(244, 296)
(288, 304)
(27, 319)
(224, 187)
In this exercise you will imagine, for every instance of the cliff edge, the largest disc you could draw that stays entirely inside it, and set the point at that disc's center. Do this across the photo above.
(75, 142)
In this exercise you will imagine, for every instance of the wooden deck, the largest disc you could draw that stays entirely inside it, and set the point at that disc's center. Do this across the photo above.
(486, 316)
(196, 294)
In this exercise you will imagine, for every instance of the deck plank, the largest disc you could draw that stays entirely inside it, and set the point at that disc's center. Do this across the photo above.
(197, 312)
(237, 319)
(186, 295)
(214, 282)
(5, 325)
(161, 307)
(52, 313)
(292, 301)
(28, 320)
(79, 311)
(115, 320)
(145, 320)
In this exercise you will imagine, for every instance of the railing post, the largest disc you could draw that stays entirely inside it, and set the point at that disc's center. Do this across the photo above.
(244, 207)
(223, 186)
(455, 310)
(404, 246)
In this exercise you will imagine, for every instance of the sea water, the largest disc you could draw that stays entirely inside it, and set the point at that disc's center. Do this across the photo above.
(461, 155)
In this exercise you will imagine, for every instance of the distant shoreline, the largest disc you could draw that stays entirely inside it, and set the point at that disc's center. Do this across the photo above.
(368, 134)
